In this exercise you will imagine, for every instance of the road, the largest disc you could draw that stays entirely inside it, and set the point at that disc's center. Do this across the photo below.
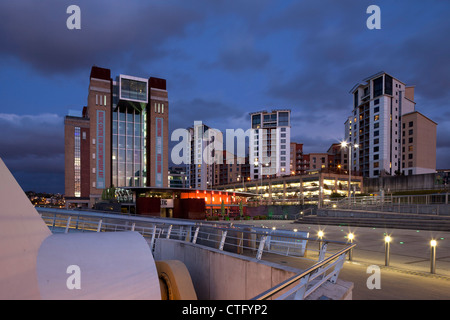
(408, 275)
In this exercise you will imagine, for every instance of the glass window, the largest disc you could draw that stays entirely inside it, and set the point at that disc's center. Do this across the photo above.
(121, 157)
(377, 87)
(122, 128)
(387, 84)
(256, 121)
(121, 141)
(283, 119)
(130, 128)
(132, 89)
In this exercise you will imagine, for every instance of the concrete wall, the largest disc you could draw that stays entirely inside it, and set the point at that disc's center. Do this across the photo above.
(401, 183)
(290, 211)
(220, 275)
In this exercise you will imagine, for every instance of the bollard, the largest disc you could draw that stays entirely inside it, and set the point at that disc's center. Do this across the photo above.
(433, 244)
(387, 245)
(350, 236)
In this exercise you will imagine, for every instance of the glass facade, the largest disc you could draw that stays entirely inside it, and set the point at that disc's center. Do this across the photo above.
(133, 89)
(377, 87)
(283, 119)
(77, 162)
(128, 142)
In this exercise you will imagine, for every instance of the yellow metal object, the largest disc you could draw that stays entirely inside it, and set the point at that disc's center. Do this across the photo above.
(175, 281)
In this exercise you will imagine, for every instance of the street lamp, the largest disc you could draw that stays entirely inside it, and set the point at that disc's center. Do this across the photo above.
(260, 173)
(345, 144)
(433, 245)
(350, 237)
(387, 242)
(320, 236)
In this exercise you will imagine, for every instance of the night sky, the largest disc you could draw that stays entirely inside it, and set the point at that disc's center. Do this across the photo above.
(222, 60)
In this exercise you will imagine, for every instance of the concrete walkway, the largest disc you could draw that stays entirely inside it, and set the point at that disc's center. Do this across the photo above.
(408, 275)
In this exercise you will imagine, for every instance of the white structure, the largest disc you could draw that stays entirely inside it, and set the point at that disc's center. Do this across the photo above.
(269, 143)
(206, 146)
(375, 124)
(36, 264)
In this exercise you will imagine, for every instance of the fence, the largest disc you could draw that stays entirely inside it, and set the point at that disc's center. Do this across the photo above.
(241, 239)
(434, 204)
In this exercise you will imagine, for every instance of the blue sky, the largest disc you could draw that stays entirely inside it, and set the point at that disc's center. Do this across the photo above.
(222, 60)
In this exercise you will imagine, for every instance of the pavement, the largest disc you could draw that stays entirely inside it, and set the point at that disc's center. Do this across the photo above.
(408, 275)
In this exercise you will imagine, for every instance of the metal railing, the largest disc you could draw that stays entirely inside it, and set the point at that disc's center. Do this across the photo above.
(246, 240)
(434, 204)
(303, 284)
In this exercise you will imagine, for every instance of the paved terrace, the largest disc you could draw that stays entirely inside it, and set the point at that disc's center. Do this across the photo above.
(408, 274)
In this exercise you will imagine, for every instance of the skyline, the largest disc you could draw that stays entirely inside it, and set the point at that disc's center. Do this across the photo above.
(221, 61)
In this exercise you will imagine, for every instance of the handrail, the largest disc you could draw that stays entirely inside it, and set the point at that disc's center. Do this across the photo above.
(261, 239)
(274, 290)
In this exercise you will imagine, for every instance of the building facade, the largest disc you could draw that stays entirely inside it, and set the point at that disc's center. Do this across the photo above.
(375, 124)
(269, 144)
(120, 139)
(232, 169)
(418, 144)
(205, 149)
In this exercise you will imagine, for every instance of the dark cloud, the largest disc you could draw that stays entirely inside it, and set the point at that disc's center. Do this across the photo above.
(32, 148)
(244, 58)
(113, 34)
(223, 59)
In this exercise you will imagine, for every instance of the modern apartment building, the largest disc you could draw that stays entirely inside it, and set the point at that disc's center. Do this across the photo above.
(203, 155)
(418, 144)
(120, 139)
(232, 169)
(374, 126)
(269, 143)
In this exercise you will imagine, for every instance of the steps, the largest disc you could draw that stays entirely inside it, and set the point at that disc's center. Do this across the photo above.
(381, 220)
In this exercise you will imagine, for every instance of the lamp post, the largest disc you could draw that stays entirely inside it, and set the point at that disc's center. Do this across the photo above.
(350, 237)
(320, 236)
(260, 174)
(433, 244)
(387, 242)
(345, 144)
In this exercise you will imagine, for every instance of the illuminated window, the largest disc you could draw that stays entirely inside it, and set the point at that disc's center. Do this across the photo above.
(77, 163)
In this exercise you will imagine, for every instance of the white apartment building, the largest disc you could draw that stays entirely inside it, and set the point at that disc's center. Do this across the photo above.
(269, 143)
(375, 124)
(206, 146)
